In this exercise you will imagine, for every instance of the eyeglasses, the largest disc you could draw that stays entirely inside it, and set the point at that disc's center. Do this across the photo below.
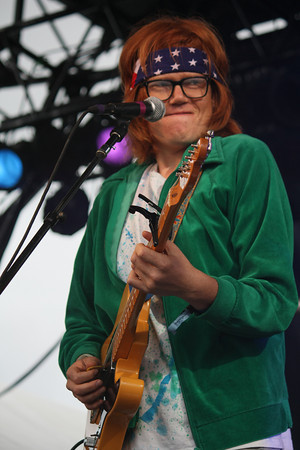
(194, 87)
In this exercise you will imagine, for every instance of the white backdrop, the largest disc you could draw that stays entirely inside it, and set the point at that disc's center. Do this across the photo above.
(40, 413)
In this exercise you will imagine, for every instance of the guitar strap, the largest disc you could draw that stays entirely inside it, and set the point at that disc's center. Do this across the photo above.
(177, 222)
(189, 310)
(184, 205)
(183, 209)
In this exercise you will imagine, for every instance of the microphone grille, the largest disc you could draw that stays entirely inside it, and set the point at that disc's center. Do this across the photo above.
(158, 109)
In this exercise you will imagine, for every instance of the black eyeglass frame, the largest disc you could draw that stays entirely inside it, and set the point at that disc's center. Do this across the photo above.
(178, 83)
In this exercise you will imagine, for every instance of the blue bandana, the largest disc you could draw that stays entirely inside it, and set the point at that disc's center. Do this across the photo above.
(176, 59)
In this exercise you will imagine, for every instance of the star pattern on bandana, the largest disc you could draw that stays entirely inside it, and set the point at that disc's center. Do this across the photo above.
(176, 59)
(175, 66)
(176, 52)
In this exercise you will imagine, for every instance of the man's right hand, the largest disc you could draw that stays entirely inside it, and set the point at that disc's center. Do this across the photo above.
(84, 384)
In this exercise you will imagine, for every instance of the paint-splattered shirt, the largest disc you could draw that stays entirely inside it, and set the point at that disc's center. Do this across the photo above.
(163, 421)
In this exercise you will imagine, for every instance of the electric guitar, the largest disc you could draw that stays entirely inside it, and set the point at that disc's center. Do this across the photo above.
(123, 350)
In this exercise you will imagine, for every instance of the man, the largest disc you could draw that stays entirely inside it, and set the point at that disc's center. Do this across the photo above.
(218, 381)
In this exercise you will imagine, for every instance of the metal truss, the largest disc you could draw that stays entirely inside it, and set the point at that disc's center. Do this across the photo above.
(71, 74)
(116, 18)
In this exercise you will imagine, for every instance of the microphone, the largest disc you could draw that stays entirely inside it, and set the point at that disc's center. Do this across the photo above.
(152, 109)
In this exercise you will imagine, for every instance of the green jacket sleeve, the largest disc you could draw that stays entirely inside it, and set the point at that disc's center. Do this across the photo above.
(96, 289)
(83, 332)
(261, 297)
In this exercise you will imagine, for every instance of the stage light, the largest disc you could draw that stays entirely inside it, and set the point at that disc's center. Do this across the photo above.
(258, 29)
(120, 155)
(11, 168)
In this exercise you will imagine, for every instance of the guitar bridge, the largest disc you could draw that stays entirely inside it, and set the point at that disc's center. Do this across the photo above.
(90, 441)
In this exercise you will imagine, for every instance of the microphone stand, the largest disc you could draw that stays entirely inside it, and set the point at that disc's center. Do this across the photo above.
(116, 135)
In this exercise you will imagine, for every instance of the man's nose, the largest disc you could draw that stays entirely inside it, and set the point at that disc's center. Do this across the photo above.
(177, 93)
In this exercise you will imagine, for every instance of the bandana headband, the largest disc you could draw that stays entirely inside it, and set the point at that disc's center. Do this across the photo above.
(176, 59)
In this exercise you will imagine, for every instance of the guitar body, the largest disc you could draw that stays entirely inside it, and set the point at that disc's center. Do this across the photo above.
(117, 420)
(130, 388)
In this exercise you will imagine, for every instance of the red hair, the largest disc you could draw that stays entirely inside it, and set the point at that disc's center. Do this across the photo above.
(165, 33)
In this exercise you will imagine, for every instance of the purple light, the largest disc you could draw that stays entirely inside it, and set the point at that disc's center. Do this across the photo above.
(120, 154)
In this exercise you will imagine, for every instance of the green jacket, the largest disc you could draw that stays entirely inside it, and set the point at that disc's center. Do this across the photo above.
(238, 229)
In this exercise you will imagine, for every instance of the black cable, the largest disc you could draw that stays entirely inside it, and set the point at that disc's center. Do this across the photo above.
(77, 445)
(30, 371)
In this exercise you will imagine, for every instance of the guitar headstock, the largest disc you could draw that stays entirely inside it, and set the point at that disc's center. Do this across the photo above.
(190, 167)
